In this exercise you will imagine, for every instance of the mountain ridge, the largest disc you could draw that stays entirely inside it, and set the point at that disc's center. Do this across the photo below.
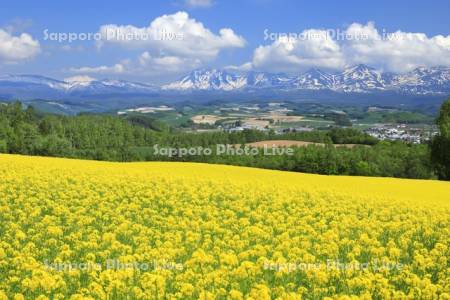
(354, 79)
(358, 79)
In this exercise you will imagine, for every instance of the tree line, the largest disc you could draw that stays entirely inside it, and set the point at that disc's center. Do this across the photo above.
(131, 138)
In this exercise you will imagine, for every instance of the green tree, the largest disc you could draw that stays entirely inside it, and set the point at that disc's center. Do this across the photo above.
(440, 146)
(53, 145)
(3, 146)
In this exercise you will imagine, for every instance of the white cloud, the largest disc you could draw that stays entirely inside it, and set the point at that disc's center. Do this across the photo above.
(80, 78)
(289, 54)
(17, 48)
(145, 64)
(166, 64)
(240, 68)
(18, 25)
(170, 44)
(397, 52)
(175, 35)
(114, 69)
(70, 48)
(198, 3)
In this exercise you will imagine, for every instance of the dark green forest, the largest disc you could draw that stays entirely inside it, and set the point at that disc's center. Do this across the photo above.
(131, 138)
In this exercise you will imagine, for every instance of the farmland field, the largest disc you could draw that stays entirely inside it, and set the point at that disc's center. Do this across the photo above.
(290, 143)
(99, 230)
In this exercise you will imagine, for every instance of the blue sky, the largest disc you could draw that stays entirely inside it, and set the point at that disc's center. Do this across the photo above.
(218, 33)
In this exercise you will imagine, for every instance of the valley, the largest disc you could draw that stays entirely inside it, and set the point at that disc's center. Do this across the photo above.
(384, 123)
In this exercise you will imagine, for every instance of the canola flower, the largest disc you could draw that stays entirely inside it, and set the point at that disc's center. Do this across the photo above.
(73, 229)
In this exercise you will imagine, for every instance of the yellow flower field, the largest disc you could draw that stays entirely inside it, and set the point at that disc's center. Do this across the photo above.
(72, 229)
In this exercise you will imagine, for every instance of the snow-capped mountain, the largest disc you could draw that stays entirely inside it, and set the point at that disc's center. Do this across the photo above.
(266, 80)
(354, 79)
(205, 79)
(423, 80)
(108, 86)
(30, 86)
(32, 80)
(21, 84)
(360, 78)
(314, 79)
(213, 79)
